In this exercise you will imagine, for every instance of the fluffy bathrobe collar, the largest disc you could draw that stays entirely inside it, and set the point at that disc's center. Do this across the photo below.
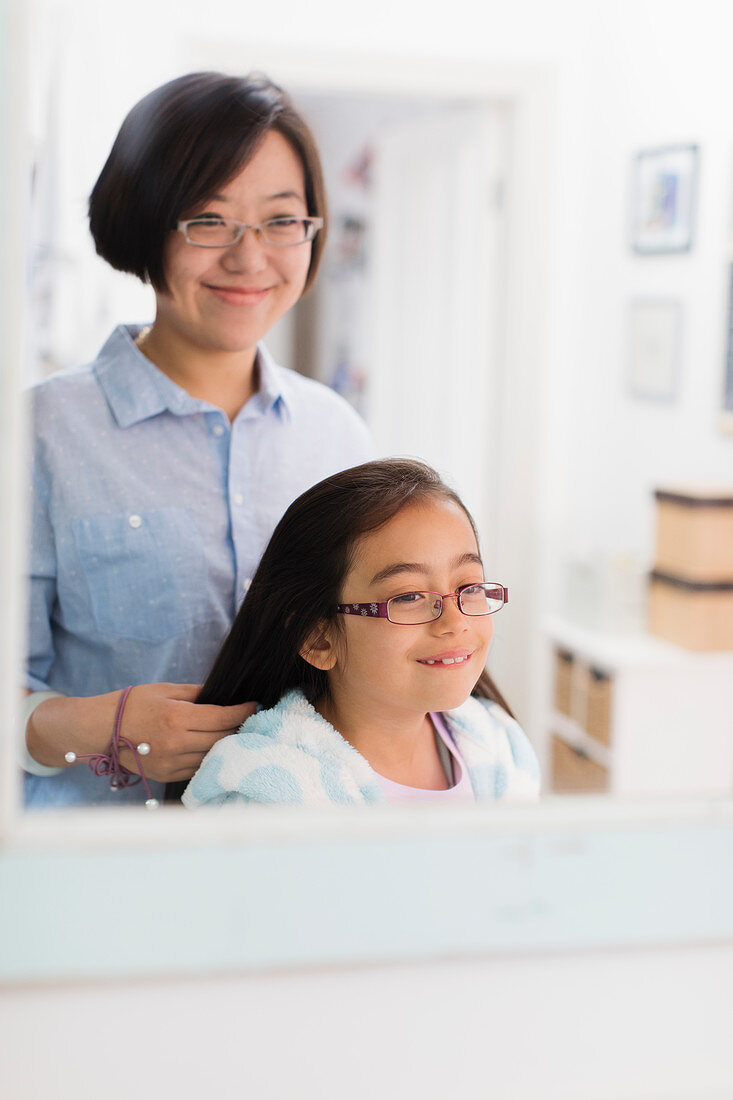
(290, 755)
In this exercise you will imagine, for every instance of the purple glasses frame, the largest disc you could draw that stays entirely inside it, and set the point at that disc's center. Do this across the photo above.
(381, 610)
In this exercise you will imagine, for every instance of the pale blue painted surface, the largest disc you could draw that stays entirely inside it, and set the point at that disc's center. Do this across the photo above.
(290, 903)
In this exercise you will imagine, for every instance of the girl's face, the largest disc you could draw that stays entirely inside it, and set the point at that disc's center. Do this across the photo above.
(226, 299)
(428, 546)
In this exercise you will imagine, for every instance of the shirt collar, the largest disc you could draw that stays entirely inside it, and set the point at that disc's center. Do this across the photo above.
(274, 390)
(137, 390)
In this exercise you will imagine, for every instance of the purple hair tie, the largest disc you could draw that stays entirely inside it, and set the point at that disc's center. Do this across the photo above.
(108, 763)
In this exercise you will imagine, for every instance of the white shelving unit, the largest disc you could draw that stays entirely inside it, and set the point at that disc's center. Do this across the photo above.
(660, 719)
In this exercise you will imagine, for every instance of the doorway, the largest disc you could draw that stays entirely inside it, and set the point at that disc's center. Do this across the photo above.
(405, 318)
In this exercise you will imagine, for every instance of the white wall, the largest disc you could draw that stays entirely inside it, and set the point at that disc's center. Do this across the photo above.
(657, 79)
(619, 1025)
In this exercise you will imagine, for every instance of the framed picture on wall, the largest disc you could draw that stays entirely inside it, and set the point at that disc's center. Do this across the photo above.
(655, 331)
(663, 199)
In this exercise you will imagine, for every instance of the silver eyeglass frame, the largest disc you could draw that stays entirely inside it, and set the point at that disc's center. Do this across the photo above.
(313, 225)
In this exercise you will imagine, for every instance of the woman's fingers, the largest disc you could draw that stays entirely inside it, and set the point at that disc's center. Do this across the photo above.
(177, 730)
(189, 765)
(200, 742)
(168, 770)
(208, 718)
(187, 693)
(164, 716)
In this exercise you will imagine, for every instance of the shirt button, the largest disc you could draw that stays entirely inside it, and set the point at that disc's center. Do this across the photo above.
(245, 586)
(218, 429)
(135, 521)
(238, 498)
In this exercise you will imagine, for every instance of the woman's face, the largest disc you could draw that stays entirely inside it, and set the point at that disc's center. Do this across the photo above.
(398, 668)
(226, 299)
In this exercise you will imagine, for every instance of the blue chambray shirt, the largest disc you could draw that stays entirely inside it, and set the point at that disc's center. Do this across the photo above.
(150, 512)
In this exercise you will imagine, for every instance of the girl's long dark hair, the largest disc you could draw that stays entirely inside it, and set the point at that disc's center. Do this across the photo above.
(298, 583)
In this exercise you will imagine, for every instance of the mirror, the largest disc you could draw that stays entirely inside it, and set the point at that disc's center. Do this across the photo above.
(549, 322)
(579, 456)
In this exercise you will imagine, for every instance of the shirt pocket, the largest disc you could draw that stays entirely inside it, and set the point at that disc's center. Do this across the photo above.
(146, 572)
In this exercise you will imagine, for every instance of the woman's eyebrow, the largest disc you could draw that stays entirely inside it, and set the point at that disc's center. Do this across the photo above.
(395, 570)
(267, 198)
(286, 195)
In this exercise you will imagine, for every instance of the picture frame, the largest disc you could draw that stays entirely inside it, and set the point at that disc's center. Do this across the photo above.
(655, 333)
(664, 192)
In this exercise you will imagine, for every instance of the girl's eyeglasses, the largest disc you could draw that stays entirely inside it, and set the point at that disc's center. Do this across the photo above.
(412, 608)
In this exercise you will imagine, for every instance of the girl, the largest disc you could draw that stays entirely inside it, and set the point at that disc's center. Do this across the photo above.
(161, 468)
(364, 636)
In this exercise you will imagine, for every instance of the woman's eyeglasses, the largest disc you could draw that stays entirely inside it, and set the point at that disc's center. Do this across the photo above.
(215, 232)
(412, 608)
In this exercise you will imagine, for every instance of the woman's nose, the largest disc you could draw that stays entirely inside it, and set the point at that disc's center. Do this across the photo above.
(249, 253)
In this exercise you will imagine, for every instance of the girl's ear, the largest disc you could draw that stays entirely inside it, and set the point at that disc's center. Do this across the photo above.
(319, 649)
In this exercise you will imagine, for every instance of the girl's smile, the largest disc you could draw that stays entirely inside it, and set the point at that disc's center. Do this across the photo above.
(446, 660)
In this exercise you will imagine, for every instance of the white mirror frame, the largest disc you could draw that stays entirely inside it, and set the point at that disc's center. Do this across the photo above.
(102, 894)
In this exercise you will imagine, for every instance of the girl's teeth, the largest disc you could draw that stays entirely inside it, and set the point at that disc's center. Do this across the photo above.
(447, 661)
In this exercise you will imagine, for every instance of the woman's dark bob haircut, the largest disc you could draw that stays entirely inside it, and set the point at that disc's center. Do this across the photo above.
(177, 147)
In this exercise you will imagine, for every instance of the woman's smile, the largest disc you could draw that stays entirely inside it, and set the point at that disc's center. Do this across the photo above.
(239, 295)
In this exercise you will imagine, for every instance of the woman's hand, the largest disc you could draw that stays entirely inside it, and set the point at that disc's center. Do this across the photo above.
(166, 716)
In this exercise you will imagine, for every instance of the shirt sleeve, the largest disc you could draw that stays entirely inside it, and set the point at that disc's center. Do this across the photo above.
(27, 763)
(42, 586)
(357, 445)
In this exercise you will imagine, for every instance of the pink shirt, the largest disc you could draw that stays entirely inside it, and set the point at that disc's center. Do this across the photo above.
(461, 791)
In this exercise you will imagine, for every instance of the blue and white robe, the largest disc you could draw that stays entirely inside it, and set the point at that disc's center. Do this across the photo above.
(290, 755)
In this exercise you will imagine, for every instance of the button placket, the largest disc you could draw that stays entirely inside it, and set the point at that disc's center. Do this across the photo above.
(238, 499)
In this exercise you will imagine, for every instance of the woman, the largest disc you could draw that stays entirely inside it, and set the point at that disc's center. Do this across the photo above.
(161, 469)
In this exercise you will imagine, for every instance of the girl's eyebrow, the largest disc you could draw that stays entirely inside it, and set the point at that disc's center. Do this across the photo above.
(417, 567)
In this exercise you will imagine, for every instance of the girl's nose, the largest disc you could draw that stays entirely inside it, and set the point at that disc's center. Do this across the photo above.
(452, 618)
